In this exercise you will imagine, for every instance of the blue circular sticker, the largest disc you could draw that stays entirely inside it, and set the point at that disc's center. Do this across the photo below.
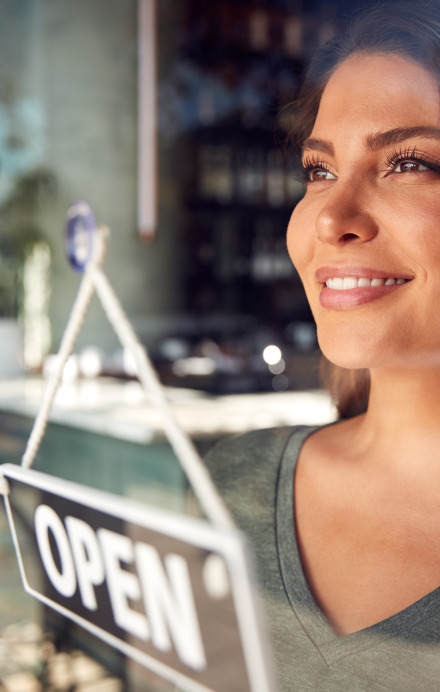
(80, 234)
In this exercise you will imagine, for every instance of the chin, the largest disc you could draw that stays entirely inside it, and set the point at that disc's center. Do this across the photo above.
(357, 344)
(353, 356)
(349, 363)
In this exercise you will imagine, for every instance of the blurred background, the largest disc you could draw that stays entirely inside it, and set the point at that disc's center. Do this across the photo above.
(208, 279)
(167, 116)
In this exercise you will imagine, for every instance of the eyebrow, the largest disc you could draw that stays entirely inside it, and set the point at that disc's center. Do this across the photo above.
(318, 145)
(378, 140)
(399, 134)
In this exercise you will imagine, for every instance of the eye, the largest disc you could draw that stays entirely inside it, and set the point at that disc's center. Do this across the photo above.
(409, 166)
(314, 171)
(315, 175)
(411, 161)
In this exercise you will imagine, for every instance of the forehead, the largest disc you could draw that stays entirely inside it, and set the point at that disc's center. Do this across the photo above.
(378, 92)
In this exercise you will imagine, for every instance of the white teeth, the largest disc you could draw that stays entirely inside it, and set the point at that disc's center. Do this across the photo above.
(343, 283)
(350, 282)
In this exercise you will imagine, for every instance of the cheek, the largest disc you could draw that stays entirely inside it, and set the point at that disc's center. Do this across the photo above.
(415, 231)
(424, 233)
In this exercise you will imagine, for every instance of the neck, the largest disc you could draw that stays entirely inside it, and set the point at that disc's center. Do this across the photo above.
(403, 412)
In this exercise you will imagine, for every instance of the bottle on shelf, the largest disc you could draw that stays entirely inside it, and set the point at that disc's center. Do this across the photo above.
(259, 30)
(223, 176)
(293, 36)
(275, 179)
(250, 176)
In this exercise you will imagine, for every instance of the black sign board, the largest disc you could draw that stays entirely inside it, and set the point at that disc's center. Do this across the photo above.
(169, 591)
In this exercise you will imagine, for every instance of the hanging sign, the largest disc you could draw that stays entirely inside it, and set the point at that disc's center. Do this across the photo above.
(171, 592)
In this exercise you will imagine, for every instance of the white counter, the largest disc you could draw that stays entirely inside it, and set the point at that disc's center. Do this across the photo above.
(122, 410)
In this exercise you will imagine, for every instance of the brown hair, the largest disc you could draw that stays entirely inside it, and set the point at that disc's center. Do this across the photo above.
(349, 389)
(406, 28)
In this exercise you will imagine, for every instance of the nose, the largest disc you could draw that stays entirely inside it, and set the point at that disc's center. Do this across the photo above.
(344, 217)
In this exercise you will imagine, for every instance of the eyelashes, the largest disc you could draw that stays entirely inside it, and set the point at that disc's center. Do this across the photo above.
(411, 155)
(309, 166)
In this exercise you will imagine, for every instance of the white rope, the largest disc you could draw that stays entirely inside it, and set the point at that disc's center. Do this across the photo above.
(94, 279)
(71, 332)
(188, 456)
(4, 485)
(77, 315)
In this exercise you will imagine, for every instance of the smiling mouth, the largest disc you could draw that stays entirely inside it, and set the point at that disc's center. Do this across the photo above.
(345, 283)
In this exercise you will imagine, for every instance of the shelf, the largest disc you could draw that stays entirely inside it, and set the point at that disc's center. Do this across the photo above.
(209, 54)
(198, 205)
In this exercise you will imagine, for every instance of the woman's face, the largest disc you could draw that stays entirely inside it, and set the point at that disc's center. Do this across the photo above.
(365, 238)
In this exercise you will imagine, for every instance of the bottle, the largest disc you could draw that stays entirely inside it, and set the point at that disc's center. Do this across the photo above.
(205, 176)
(275, 179)
(259, 30)
(223, 178)
(293, 37)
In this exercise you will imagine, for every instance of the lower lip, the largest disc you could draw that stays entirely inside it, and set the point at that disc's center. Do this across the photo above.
(334, 299)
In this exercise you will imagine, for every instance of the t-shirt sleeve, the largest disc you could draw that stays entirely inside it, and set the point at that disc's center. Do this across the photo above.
(244, 469)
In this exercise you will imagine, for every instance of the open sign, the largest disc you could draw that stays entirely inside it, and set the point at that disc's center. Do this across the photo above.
(169, 591)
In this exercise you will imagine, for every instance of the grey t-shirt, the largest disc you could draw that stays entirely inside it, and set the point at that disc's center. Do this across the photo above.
(255, 475)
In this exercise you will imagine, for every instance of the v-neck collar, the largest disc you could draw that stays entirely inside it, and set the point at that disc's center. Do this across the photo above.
(331, 646)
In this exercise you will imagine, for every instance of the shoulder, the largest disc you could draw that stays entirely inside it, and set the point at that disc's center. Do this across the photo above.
(251, 448)
(240, 453)
(245, 467)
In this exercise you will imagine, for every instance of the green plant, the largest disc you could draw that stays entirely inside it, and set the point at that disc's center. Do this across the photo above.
(20, 230)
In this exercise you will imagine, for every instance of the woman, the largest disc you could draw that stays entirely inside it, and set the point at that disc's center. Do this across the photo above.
(345, 520)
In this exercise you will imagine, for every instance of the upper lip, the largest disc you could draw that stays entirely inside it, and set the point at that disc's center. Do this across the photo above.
(325, 273)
